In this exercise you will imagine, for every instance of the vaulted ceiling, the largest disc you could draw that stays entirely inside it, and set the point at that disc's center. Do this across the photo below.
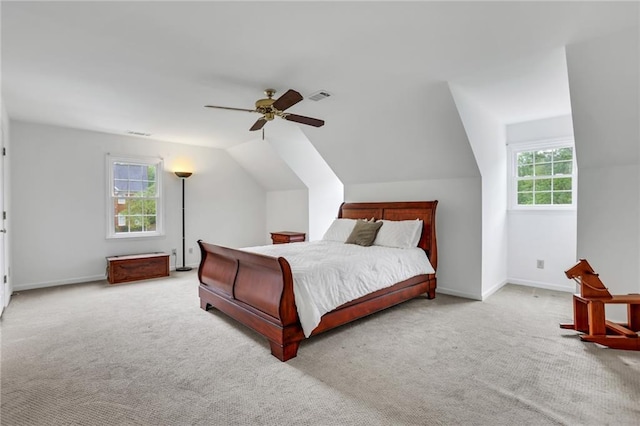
(151, 67)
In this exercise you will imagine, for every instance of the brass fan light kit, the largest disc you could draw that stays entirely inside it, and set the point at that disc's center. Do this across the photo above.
(271, 108)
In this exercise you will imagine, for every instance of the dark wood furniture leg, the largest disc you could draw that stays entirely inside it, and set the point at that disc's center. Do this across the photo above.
(580, 316)
(284, 352)
(431, 294)
(633, 315)
(596, 315)
(204, 305)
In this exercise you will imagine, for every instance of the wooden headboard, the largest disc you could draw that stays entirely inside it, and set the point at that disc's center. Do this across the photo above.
(403, 210)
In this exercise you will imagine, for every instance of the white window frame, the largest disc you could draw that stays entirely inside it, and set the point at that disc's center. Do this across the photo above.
(516, 147)
(110, 196)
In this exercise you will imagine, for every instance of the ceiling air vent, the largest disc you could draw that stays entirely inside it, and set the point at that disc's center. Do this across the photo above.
(319, 95)
(131, 132)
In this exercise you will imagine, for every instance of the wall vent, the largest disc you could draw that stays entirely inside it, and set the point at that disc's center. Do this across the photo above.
(131, 132)
(319, 95)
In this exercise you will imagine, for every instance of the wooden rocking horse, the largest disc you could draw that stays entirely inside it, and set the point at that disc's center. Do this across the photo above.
(588, 311)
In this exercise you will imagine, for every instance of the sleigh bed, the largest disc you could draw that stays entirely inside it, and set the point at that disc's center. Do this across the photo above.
(258, 290)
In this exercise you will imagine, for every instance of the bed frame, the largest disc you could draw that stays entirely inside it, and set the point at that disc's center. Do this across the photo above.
(257, 290)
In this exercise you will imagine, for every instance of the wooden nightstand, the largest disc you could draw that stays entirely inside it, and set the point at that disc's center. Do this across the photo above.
(284, 237)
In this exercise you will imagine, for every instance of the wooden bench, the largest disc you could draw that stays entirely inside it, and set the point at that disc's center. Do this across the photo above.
(135, 267)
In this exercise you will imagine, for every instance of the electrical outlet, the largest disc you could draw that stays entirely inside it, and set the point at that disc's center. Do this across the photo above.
(190, 250)
(540, 264)
(174, 252)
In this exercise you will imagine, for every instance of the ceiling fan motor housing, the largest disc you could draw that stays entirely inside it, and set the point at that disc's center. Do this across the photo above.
(264, 106)
(264, 103)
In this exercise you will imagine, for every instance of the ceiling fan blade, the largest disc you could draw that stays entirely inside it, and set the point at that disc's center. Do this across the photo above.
(229, 108)
(258, 124)
(289, 99)
(304, 120)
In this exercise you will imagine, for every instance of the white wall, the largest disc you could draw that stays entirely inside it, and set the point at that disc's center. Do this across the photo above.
(458, 225)
(608, 225)
(486, 136)
(541, 235)
(58, 185)
(535, 130)
(287, 211)
(549, 236)
(325, 190)
(325, 199)
(603, 78)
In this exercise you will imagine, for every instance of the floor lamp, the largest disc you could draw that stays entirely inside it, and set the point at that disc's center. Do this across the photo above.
(183, 176)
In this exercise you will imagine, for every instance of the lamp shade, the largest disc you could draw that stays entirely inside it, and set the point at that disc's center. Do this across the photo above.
(183, 175)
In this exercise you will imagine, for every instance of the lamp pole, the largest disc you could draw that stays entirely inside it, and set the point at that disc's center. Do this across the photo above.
(183, 176)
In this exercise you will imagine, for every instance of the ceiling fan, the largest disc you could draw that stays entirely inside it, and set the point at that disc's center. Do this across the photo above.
(271, 108)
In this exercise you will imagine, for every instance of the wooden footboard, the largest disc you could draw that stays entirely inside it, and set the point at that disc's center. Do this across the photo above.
(254, 289)
(257, 290)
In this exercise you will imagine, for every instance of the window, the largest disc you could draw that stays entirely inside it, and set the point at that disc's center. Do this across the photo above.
(134, 204)
(543, 175)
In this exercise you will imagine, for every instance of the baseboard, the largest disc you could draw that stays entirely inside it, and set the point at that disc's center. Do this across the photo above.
(546, 286)
(498, 286)
(33, 286)
(486, 294)
(456, 293)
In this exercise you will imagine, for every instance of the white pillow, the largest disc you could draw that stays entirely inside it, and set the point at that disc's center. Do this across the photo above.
(339, 230)
(399, 233)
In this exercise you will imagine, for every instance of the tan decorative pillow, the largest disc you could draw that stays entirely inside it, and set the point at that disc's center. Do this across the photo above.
(364, 233)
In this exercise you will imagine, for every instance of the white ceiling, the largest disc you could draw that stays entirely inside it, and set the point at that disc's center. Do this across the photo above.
(152, 66)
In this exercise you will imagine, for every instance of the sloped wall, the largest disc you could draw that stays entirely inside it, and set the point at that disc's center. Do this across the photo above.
(603, 78)
(487, 138)
(325, 189)
(287, 206)
(396, 143)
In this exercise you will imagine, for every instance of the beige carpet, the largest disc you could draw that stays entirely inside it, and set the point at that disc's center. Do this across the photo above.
(146, 354)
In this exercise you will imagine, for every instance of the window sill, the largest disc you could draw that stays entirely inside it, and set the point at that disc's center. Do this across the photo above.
(543, 210)
(135, 236)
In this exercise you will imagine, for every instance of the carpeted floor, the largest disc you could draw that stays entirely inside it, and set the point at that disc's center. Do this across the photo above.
(146, 354)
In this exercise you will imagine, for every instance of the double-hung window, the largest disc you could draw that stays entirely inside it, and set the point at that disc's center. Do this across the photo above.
(134, 201)
(543, 175)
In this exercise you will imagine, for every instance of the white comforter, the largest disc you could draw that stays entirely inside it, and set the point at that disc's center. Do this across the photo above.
(328, 274)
